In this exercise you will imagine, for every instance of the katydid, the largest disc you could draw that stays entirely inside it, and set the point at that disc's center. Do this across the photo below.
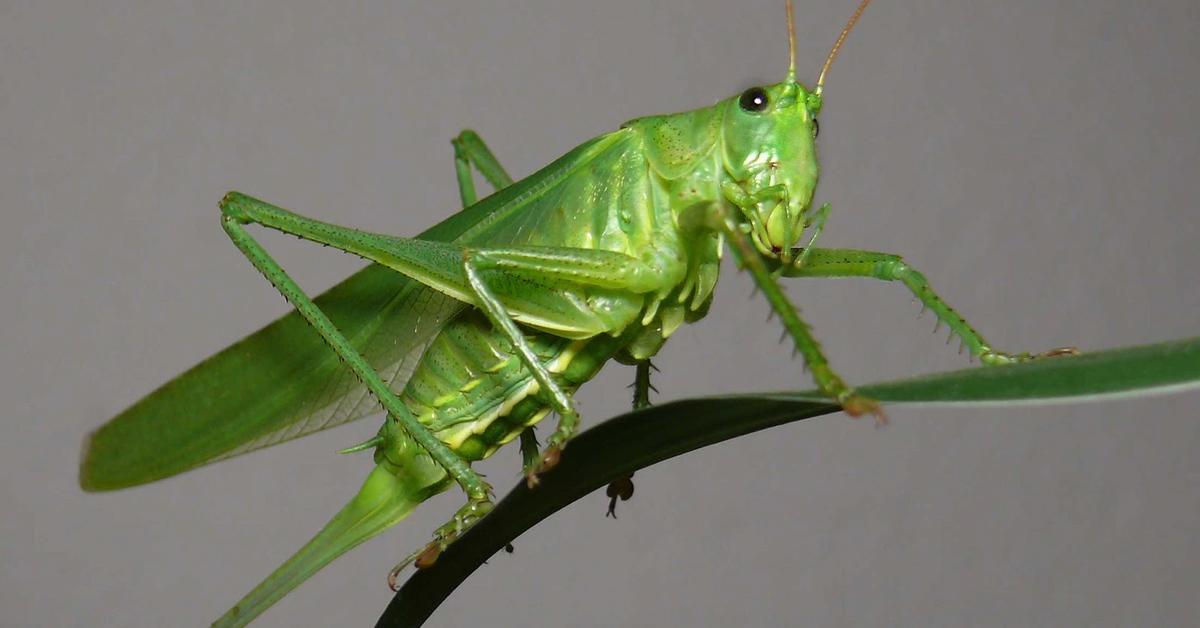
(472, 332)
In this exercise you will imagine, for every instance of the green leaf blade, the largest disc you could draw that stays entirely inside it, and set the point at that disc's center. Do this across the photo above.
(636, 440)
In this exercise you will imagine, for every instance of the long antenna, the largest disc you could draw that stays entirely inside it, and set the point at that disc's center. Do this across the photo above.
(837, 45)
(791, 75)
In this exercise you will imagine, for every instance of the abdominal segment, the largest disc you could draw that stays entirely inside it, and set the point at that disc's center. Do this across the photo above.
(473, 392)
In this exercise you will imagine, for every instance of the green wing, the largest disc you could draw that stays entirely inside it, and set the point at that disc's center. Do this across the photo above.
(282, 382)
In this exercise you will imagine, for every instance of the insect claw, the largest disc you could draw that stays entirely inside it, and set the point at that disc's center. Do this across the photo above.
(393, 578)
(620, 488)
(549, 459)
(856, 405)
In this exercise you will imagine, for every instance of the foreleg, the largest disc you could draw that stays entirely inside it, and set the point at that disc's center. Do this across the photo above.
(720, 217)
(888, 267)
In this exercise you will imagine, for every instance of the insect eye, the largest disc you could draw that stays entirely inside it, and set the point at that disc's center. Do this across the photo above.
(753, 100)
(816, 128)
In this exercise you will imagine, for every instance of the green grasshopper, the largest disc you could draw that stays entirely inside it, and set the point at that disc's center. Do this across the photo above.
(472, 332)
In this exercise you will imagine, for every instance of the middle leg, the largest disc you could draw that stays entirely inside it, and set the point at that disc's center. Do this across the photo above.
(622, 488)
(567, 268)
(470, 150)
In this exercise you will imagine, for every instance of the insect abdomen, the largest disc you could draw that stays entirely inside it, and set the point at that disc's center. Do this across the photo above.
(471, 389)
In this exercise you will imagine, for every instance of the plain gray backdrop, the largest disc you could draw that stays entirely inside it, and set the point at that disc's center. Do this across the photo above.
(1037, 160)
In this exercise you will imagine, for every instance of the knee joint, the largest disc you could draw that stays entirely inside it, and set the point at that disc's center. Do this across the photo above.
(893, 269)
(233, 206)
(475, 259)
(460, 142)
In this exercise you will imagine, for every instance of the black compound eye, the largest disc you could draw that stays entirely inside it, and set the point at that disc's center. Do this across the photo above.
(816, 128)
(753, 100)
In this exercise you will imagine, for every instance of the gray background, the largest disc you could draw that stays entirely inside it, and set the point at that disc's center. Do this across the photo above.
(1037, 160)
